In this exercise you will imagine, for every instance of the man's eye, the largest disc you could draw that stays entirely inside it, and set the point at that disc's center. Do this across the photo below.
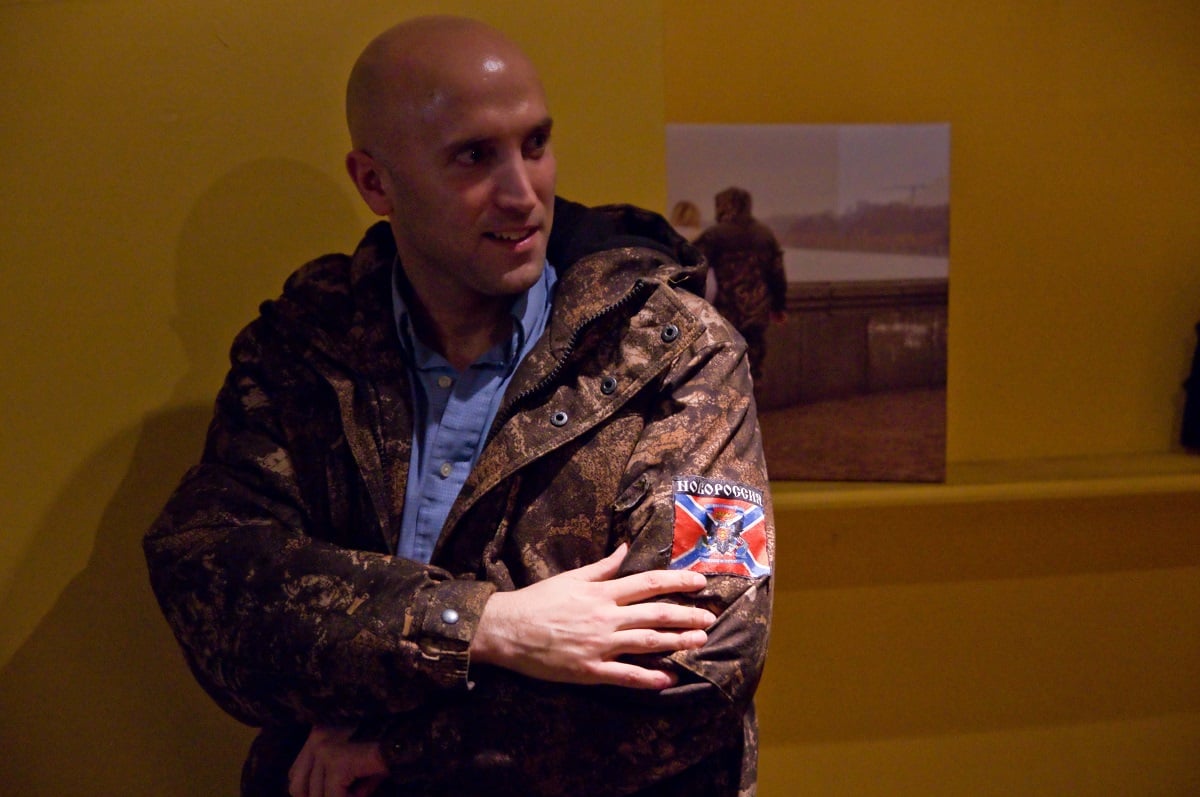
(470, 156)
(536, 145)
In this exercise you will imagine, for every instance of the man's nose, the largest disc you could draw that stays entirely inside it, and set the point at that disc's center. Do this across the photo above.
(514, 184)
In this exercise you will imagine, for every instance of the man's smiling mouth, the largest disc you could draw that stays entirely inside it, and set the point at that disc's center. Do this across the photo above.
(514, 236)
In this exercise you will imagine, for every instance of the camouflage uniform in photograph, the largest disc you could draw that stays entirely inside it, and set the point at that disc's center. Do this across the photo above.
(748, 263)
(632, 420)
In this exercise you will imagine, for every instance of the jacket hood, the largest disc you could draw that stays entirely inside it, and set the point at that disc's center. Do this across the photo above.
(341, 298)
(580, 231)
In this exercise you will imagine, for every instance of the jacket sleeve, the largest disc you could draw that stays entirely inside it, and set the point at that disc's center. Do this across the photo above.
(561, 739)
(282, 611)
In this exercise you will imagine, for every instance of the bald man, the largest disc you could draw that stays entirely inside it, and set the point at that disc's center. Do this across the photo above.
(483, 508)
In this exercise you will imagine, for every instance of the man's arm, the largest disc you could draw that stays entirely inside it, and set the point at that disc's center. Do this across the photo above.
(571, 628)
(268, 564)
(281, 626)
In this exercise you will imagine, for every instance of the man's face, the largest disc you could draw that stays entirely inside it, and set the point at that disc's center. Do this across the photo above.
(470, 176)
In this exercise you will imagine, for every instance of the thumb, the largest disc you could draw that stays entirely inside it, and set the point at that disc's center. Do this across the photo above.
(604, 569)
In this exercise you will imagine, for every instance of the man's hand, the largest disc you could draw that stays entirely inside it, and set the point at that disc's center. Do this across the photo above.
(330, 765)
(573, 627)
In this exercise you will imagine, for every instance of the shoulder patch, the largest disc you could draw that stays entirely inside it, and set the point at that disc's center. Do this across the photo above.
(720, 528)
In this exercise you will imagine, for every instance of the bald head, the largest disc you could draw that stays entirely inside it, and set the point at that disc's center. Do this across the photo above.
(419, 65)
(451, 138)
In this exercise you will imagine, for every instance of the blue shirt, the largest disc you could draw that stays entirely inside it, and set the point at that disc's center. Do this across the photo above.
(453, 412)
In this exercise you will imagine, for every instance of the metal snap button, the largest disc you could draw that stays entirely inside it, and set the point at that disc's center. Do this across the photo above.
(669, 333)
(449, 617)
(559, 418)
(608, 385)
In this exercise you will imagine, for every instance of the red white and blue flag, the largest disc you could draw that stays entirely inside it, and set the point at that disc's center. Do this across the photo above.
(720, 529)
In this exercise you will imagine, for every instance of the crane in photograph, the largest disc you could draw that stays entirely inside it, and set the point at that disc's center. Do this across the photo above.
(911, 188)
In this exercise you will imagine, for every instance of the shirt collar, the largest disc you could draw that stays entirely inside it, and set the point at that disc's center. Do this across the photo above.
(529, 311)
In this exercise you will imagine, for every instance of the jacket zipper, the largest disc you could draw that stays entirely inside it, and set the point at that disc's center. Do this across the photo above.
(508, 410)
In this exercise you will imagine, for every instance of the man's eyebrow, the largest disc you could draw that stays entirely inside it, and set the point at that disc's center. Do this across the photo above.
(459, 144)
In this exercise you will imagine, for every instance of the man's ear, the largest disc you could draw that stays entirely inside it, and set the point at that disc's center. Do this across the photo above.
(369, 180)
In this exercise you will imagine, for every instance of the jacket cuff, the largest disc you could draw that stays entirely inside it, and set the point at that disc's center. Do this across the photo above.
(444, 622)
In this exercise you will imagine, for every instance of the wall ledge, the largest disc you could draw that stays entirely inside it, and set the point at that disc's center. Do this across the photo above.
(1009, 480)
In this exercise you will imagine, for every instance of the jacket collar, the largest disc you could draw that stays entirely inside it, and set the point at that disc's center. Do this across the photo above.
(348, 311)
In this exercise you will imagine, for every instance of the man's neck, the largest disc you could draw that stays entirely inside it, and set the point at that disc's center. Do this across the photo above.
(471, 340)
(461, 335)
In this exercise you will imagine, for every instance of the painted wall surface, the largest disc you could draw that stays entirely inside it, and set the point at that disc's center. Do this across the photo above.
(1028, 646)
(163, 167)
(998, 645)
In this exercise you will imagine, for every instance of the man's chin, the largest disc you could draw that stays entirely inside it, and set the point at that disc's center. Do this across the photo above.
(525, 276)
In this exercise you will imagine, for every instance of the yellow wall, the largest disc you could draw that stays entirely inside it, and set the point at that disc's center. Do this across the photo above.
(1039, 635)
(164, 165)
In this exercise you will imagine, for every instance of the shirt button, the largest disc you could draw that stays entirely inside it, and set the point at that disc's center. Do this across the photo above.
(444, 381)
(449, 616)
(446, 469)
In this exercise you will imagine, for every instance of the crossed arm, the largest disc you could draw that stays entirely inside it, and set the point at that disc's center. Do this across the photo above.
(345, 637)
(571, 628)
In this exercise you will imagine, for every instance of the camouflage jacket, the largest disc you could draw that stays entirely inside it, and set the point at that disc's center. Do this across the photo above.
(271, 561)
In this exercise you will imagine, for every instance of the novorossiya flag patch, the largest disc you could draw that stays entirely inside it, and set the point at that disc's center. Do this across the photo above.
(720, 529)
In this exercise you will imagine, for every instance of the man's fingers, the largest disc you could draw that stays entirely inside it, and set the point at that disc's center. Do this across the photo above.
(638, 586)
(331, 765)
(316, 782)
(619, 673)
(653, 584)
(662, 615)
(573, 626)
(645, 640)
(300, 773)
(604, 569)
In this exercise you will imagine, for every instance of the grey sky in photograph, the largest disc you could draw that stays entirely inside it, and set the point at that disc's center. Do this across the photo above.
(809, 168)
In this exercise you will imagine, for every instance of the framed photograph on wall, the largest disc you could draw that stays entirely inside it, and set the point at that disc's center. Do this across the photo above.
(830, 248)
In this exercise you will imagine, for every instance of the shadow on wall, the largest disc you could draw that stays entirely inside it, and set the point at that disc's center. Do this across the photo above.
(98, 699)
